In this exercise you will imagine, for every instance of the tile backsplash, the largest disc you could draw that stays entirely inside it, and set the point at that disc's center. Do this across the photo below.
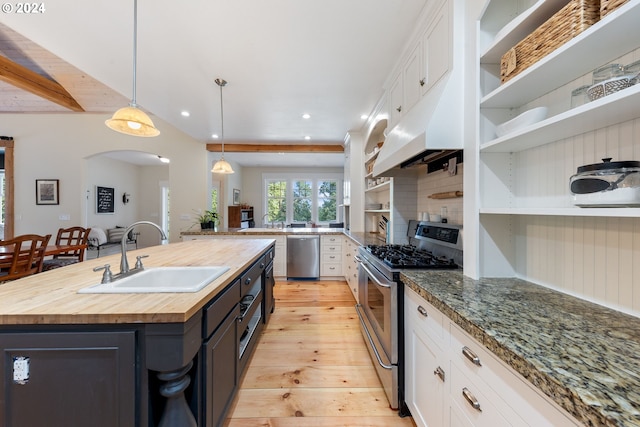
(439, 182)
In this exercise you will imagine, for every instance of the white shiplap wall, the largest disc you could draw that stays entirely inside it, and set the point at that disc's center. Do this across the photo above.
(439, 182)
(591, 257)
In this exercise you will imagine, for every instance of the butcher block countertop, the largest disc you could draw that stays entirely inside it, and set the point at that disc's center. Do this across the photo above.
(51, 298)
(584, 356)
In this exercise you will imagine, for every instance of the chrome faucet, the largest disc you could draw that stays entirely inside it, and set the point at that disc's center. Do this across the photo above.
(124, 264)
(267, 216)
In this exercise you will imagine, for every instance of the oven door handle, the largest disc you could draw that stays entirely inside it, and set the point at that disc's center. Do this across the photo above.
(373, 277)
(373, 346)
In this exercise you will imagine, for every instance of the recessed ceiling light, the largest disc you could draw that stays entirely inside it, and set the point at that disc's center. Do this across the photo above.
(164, 159)
(215, 136)
(364, 117)
(307, 138)
(185, 114)
(306, 116)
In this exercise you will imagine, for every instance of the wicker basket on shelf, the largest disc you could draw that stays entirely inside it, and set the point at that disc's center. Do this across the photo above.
(568, 22)
(608, 6)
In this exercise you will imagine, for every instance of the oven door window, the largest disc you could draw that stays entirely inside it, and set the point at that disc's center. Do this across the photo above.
(376, 304)
(378, 309)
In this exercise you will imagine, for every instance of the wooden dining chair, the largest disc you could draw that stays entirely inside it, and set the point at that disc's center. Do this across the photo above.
(72, 236)
(22, 256)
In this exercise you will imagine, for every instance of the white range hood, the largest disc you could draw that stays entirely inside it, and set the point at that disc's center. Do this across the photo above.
(434, 123)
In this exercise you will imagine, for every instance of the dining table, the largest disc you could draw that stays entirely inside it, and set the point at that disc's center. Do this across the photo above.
(60, 249)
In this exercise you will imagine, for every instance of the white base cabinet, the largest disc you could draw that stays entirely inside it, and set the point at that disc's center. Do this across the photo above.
(478, 388)
(426, 362)
(350, 265)
(331, 256)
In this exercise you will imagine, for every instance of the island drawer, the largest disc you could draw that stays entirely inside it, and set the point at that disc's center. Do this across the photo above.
(217, 310)
(253, 274)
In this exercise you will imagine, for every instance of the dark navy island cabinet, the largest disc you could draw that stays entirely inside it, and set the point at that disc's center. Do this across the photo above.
(136, 375)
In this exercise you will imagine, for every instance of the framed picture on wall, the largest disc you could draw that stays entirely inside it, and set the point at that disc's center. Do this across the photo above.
(236, 196)
(47, 192)
(105, 200)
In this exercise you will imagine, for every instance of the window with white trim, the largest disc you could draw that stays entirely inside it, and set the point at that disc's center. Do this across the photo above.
(294, 198)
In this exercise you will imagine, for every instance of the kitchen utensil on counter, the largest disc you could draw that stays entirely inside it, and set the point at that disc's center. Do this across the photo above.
(606, 184)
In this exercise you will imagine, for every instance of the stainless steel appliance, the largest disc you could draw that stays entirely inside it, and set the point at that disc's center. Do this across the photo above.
(303, 256)
(380, 293)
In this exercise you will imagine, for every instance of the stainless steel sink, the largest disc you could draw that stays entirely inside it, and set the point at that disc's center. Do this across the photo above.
(160, 279)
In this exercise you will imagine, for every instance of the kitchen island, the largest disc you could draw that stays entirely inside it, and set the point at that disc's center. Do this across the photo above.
(132, 359)
(583, 357)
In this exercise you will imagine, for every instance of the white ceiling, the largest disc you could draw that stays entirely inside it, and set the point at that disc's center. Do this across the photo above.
(282, 58)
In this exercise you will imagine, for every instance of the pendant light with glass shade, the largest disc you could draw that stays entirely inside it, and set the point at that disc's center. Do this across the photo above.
(222, 166)
(131, 120)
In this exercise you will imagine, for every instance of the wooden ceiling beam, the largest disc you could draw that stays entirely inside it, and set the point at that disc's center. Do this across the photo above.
(24, 78)
(275, 148)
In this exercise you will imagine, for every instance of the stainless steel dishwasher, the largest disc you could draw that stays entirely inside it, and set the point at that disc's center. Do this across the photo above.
(303, 256)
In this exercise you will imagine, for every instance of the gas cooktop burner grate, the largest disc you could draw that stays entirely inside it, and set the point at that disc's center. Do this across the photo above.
(407, 256)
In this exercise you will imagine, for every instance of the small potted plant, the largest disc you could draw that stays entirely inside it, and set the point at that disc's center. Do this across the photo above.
(208, 220)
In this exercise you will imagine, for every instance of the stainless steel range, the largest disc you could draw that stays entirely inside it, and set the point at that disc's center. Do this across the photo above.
(380, 293)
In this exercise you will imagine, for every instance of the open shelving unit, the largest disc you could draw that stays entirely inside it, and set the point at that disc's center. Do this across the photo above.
(528, 226)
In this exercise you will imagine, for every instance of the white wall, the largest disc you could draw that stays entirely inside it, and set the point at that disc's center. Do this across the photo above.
(55, 146)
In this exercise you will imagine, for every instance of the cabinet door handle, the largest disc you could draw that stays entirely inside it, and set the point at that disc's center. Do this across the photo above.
(471, 356)
(399, 109)
(247, 281)
(471, 399)
(422, 81)
(439, 372)
(422, 311)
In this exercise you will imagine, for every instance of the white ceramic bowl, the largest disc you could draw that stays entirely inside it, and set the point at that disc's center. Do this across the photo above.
(525, 119)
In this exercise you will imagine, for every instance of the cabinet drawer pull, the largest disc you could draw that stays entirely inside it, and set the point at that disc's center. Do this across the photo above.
(471, 399)
(423, 311)
(439, 372)
(399, 109)
(471, 356)
(247, 281)
(422, 81)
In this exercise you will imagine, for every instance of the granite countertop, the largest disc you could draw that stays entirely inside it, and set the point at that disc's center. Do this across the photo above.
(584, 356)
(359, 238)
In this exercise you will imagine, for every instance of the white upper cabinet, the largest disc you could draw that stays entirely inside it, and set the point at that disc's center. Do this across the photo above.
(436, 49)
(396, 100)
(413, 77)
(425, 91)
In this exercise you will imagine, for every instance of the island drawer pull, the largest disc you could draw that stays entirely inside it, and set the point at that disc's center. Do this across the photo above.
(471, 356)
(422, 311)
(471, 399)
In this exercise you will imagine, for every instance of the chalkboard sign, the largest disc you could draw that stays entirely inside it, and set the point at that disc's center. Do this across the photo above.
(105, 200)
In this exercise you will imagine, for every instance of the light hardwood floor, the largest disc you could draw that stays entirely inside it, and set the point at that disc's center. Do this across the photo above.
(311, 366)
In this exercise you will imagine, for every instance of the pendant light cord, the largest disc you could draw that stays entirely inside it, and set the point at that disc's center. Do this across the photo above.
(135, 49)
(222, 83)
(221, 120)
